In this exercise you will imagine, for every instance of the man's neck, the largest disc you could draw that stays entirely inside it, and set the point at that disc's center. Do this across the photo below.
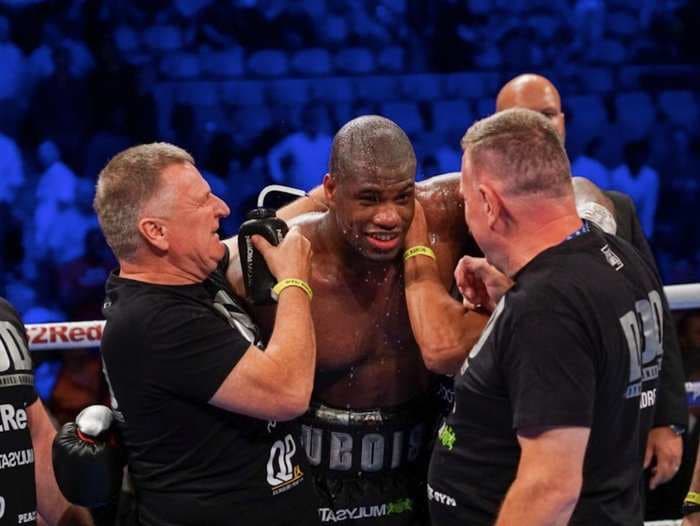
(159, 273)
(533, 238)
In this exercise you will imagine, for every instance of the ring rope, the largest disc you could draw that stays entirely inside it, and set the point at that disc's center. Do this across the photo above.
(81, 334)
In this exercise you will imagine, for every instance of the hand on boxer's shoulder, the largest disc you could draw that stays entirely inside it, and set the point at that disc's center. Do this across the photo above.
(417, 233)
(290, 259)
(480, 283)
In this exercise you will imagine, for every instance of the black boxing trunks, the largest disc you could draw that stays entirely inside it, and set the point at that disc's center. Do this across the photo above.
(369, 467)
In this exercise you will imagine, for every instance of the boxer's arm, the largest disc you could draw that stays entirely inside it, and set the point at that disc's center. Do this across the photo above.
(51, 504)
(234, 272)
(443, 328)
(315, 201)
(549, 477)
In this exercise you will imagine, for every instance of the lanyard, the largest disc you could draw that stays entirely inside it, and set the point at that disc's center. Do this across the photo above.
(585, 228)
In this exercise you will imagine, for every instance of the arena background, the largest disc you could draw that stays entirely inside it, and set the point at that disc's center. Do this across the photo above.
(255, 90)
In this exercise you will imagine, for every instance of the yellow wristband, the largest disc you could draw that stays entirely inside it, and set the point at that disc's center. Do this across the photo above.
(418, 250)
(291, 282)
(692, 497)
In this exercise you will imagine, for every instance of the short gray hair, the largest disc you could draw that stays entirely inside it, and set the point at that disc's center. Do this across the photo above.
(523, 150)
(128, 181)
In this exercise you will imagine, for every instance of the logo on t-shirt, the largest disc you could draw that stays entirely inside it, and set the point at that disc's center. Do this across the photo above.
(13, 459)
(26, 518)
(12, 419)
(643, 329)
(13, 353)
(484, 334)
(224, 304)
(613, 259)
(282, 475)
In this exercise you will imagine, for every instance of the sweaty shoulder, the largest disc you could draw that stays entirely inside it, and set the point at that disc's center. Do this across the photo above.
(444, 208)
(444, 212)
(309, 224)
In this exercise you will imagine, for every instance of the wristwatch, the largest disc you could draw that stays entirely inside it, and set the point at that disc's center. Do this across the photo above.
(677, 430)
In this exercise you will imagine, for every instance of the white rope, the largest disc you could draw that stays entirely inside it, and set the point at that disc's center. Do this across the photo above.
(65, 335)
(78, 334)
(663, 523)
(685, 296)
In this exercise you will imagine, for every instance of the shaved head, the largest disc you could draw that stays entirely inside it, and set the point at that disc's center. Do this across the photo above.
(368, 143)
(536, 93)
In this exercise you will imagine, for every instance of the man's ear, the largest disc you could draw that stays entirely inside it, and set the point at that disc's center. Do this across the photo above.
(491, 202)
(154, 232)
(330, 187)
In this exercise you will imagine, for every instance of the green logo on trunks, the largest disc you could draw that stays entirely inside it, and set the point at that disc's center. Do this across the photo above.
(447, 436)
(400, 506)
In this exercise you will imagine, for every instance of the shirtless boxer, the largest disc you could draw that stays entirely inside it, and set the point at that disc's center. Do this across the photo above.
(371, 405)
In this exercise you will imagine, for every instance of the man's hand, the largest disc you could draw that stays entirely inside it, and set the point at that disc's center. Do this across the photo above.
(691, 520)
(290, 259)
(667, 448)
(481, 284)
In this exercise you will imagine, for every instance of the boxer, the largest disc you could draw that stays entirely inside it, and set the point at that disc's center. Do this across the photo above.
(372, 411)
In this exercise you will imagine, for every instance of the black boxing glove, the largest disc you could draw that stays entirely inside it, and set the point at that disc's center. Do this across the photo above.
(87, 459)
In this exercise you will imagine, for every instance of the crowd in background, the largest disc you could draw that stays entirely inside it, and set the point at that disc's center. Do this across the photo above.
(255, 89)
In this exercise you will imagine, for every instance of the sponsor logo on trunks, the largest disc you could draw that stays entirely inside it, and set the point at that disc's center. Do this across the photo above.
(14, 459)
(441, 498)
(12, 419)
(281, 474)
(366, 512)
(447, 436)
(376, 451)
(26, 518)
(643, 330)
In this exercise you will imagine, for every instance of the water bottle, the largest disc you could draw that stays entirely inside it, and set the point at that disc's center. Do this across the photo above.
(257, 278)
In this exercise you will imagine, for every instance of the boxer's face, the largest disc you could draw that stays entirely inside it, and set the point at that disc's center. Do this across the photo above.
(374, 209)
(193, 217)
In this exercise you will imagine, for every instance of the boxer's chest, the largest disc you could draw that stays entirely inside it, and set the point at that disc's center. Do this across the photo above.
(360, 322)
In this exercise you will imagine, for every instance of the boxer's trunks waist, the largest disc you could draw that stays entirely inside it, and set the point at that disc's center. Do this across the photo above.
(344, 442)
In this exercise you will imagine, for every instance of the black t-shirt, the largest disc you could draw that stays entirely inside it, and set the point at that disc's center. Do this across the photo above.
(576, 342)
(17, 489)
(166, 351)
